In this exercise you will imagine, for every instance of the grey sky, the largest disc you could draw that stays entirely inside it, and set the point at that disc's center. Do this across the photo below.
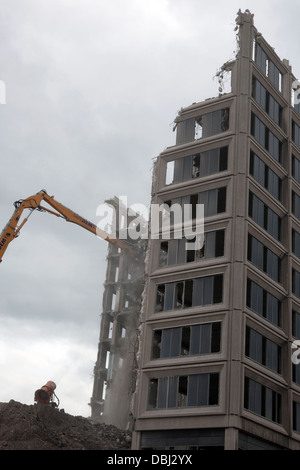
(92, 89)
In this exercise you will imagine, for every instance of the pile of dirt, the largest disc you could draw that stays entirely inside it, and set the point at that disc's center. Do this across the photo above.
(42, 427)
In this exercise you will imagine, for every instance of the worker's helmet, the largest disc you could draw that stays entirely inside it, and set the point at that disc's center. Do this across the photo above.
(51, 384)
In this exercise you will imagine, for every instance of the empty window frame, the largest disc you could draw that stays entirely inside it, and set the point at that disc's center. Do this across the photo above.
(204, 338)
(197, 166)
(263, 303)
(266, 101)
(214, 201)
(296, 134)
(263, 401)
(266, 138)
(174, 252)
(201, 291)
(268, 67)
(264, 216)
(263, 258)
(262, 350)
(184, 391)
(266, 177)
(204, 125)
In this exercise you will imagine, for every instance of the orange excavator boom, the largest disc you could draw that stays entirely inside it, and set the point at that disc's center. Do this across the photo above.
(13, 227)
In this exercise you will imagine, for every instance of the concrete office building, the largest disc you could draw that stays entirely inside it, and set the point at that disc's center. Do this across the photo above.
(218, 322)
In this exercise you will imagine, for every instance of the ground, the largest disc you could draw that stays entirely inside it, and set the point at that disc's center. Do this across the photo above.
(42, 427)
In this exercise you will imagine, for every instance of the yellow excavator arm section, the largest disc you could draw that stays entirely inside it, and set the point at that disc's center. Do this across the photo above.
(13, 227)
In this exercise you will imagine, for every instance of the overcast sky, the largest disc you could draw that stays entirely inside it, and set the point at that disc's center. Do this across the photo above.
(92, 90)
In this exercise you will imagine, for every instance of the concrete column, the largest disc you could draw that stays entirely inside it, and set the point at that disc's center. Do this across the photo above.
(231, 439)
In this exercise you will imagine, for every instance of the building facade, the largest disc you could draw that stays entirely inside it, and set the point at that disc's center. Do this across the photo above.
(218, 322)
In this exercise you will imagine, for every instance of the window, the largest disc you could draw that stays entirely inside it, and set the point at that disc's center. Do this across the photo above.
(204, 125)
(264, 216)
(197, 166)
(296, 282)
(188, 340)
(268, 67)
(189, 293)
(266, 101)
(266, 138)
(274, 75)
(296, 416)
(296, 205)
(296, 168)
(263, 258)
(296, 134)
(296, 373)
(265, 176)
(296, 243)
(296, 324)
(214, 201)
(262, 350)
(261, 58)
(184, 391)
(175, 251)
(262, 400)
(263, 303)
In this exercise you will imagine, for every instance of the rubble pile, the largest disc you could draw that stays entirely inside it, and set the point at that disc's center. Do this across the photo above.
(42, 427)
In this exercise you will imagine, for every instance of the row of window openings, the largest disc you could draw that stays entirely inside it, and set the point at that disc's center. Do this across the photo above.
(269, 141)
(271, 181)
(267, 66)
(269, 307)
(175, 252)
(179, 251)
(214, 201)
(197, 166)
(183, 391)
(262, 400)
(205, 125)
(266, 101)
(270, 70)
(266, 138)
(203, 390)
(127, 302)
(264, 216)
(267, 261)
(266, 177)
(264, 259)
(206, 339)
(200, 291)
(208, 290)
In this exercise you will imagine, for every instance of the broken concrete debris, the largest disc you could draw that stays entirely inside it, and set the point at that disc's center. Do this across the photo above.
(42, 427)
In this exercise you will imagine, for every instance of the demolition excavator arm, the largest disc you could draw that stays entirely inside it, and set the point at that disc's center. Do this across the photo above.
(13, 227)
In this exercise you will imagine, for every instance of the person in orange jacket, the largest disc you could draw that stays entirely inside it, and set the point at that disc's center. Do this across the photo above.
(45, 395)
